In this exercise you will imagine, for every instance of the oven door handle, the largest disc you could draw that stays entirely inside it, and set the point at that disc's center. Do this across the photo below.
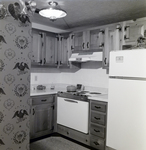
(68, 100)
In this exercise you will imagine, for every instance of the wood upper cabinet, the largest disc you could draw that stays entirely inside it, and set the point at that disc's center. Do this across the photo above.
(113, 42)
(96, 39)
(63, 51)
(87, 40)
(132, 31)
(51, 50)
(80, 41)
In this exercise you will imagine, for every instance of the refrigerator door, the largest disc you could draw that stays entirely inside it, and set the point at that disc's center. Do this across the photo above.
(126, 126)
(128, 63)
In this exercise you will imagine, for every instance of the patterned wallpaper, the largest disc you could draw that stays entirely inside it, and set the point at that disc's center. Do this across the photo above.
(15, 63)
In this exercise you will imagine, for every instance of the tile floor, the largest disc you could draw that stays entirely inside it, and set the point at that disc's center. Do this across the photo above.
(57, 143)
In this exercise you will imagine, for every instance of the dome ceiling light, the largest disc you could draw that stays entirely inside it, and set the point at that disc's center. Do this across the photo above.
(52, 12)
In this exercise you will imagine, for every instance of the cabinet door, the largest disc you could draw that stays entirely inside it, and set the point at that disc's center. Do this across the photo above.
(32, 123)
(36, 47)
(50, 50)
(64, 51)
(94, 39)
(112, 43)
(78, 41)
(86, 40)
(43, 121)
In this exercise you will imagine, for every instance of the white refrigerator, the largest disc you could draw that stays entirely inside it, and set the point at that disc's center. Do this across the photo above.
(126, 121)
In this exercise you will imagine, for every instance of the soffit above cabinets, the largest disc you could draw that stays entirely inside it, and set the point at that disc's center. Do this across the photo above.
(92, 13)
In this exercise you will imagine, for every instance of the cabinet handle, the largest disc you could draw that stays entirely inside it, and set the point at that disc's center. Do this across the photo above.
(105, 61)
(119, 27)
(44, 100)
(72, 36)
(70, 101)
(101, 45)
(96, 143)
(87, 44)
(83, 45)
(102, 31)
(97, 118)
(57, 62)
(97, 107)
(125, 38)
(44, 60)
(72, 47)
(126, 27)
(33, 111)
(40, 61)
(96, 130)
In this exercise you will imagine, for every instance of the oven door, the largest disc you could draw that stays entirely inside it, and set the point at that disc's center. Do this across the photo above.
(73, 114)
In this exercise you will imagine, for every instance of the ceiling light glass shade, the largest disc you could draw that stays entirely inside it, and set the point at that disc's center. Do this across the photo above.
(52, 13)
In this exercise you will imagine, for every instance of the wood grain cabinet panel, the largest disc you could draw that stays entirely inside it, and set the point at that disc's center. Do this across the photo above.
(97, 130)
(98, 107)
(98, 118)
(97, 143)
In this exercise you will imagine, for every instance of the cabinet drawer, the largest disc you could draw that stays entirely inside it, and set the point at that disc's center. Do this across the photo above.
(42, 99)
(98, 131)
(98, 118)
(98, 107)
(97, 143)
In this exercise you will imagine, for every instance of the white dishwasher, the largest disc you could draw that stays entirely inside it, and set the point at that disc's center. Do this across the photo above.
(73, 114)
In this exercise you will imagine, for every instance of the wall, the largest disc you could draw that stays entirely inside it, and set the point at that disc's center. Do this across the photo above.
(90, 74)
(15, 47)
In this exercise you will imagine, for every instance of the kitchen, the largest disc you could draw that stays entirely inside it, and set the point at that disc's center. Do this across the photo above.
(93, 75)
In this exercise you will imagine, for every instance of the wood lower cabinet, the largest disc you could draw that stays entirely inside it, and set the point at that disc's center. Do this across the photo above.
(42, 116)
(98, 121)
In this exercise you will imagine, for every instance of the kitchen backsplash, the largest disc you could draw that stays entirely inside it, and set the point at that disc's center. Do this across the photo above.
(91, 75)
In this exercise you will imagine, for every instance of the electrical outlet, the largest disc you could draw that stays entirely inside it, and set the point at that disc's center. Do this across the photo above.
(35, 78)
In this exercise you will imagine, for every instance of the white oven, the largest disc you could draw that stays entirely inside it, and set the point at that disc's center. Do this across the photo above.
(73, 114)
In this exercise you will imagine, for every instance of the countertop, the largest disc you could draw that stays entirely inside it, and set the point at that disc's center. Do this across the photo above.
(46, 91)
(99, 97)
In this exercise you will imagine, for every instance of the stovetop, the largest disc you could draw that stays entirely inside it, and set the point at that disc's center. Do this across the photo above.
(78, 95)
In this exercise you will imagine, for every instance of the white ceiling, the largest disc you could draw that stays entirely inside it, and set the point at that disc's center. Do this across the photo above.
(92, 12)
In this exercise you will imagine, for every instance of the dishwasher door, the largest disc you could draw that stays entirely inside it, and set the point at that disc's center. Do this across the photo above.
(73, 114)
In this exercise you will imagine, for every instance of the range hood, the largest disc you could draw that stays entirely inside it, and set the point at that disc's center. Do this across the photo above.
(85, 56)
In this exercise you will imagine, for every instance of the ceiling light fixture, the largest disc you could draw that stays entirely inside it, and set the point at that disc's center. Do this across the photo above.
(52, 12)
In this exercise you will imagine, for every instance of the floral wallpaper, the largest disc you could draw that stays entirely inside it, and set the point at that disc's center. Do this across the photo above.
(15, 63)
